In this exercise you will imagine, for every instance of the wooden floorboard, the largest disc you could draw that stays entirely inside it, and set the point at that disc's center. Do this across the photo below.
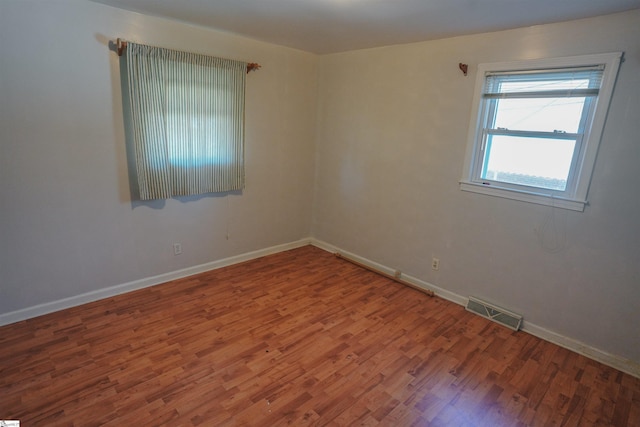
(298, 338)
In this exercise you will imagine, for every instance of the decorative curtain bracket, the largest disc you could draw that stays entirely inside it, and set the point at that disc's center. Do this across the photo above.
(121, 45)
(252, 66)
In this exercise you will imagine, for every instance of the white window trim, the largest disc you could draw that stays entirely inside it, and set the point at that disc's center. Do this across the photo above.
(578, 199)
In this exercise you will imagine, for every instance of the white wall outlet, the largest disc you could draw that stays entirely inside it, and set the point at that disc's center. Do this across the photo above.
(435, 263)
(177, 248)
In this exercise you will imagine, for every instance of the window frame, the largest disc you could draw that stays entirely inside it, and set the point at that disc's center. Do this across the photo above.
(574, 197)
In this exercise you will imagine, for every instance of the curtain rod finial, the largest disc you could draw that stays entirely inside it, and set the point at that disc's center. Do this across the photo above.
(252, 66)
(121, 45)
(464, 68)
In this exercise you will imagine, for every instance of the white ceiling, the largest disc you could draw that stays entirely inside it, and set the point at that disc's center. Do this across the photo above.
(329, 26)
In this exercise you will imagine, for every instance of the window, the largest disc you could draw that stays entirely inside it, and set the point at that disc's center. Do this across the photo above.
(536, 127)
(187, 117)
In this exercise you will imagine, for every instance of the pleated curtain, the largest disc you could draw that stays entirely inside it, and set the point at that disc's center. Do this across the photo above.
(187, 117)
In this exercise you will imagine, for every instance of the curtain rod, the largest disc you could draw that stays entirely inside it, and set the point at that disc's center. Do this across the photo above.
(121, 45)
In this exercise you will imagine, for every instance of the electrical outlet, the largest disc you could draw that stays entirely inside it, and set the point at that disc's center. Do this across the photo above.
(435, 263)
(177, 248)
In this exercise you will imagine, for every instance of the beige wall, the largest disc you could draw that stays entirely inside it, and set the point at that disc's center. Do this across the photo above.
(68, 224)
(392, 133)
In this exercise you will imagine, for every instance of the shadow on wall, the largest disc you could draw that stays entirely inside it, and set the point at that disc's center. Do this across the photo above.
(160, 203)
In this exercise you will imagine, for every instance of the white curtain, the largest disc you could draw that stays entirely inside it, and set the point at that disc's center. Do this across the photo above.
(187, 117)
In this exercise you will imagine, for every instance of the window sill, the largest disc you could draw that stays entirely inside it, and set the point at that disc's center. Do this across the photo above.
(524, 196)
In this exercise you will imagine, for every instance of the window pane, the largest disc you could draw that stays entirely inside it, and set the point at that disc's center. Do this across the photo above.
(539, 114)
(530, 161)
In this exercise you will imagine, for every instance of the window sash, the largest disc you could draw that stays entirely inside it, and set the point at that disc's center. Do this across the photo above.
(490, 106)
(569, 179)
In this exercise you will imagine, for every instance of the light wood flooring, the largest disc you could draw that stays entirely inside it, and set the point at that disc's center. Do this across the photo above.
(299, 338)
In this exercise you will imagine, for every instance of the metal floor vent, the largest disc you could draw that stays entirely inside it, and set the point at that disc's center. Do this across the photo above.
(497, 314)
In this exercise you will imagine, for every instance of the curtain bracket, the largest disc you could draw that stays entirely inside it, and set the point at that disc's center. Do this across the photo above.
(252, 66)
(121, 45)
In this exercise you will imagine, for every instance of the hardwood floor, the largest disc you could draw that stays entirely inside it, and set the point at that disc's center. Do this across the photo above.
(297, 338)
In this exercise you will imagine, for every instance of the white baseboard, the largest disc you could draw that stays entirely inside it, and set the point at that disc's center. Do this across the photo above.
(443, 293)
(50, 307)
(617, 362)
(625, 365)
